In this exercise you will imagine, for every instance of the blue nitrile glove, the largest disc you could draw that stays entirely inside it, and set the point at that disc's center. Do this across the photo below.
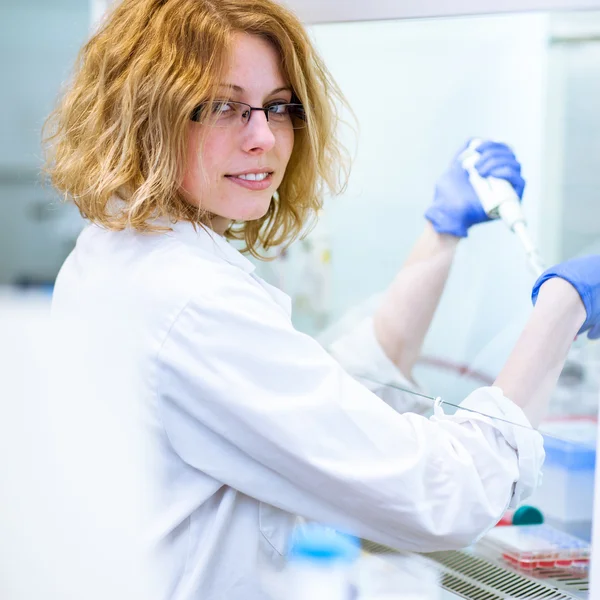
(583, 273)
(455, 205)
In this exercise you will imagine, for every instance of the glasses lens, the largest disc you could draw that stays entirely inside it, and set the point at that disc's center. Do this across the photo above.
(285, 115)
(218, 113)
(228, 114)
(297, 115)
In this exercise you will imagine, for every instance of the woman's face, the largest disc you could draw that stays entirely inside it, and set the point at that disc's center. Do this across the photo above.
(213, 177)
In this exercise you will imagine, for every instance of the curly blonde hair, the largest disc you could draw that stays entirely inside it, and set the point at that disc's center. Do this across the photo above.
(120, 128)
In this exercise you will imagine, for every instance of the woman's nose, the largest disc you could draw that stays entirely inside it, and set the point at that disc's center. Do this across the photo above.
(258, 135)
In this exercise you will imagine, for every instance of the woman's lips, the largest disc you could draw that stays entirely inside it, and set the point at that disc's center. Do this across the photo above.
(251, 184)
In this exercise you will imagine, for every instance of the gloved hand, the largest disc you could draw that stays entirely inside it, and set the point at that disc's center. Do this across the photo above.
(455, 205)
(583, 273)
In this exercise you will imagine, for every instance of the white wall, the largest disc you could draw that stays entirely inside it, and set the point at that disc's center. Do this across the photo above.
(571, 208)
(579, 215)
(38, 44)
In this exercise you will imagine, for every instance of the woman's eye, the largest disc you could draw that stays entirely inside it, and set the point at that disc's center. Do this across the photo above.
(277, 108)
(221, 107)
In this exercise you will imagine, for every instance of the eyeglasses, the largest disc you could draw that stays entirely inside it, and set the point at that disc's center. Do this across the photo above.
(230, 114)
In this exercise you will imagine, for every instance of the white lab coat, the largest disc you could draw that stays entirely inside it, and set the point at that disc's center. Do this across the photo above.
(252, 422)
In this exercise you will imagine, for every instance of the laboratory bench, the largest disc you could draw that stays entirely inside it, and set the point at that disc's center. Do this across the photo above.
(482, 573)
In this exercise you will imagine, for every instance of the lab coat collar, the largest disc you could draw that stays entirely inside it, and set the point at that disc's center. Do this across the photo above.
(203, 237)
(198, 236)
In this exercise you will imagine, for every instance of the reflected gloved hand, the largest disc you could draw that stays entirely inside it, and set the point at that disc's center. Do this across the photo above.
(455, 205)
(583, 273)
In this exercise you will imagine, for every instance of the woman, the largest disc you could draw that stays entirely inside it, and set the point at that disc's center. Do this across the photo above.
(190, 122)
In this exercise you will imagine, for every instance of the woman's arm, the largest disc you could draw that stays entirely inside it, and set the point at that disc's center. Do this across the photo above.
(534, 365)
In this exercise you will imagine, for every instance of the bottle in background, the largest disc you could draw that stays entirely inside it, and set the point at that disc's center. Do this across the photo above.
(319, 564)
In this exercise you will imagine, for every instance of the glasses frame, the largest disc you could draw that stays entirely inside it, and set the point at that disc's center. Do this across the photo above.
(250, 109)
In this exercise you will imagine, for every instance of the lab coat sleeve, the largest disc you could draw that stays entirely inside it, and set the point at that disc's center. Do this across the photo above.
(360, 354)
(263, 408)
(491, 401)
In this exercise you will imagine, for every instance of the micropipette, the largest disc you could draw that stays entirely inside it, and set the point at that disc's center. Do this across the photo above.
(499, 200)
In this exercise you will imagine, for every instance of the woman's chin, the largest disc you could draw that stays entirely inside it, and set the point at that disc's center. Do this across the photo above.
(250, 213)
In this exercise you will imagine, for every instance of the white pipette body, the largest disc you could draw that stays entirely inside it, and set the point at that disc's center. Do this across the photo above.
(499, 200)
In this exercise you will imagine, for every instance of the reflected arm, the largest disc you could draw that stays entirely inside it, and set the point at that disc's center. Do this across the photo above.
(408, 305)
